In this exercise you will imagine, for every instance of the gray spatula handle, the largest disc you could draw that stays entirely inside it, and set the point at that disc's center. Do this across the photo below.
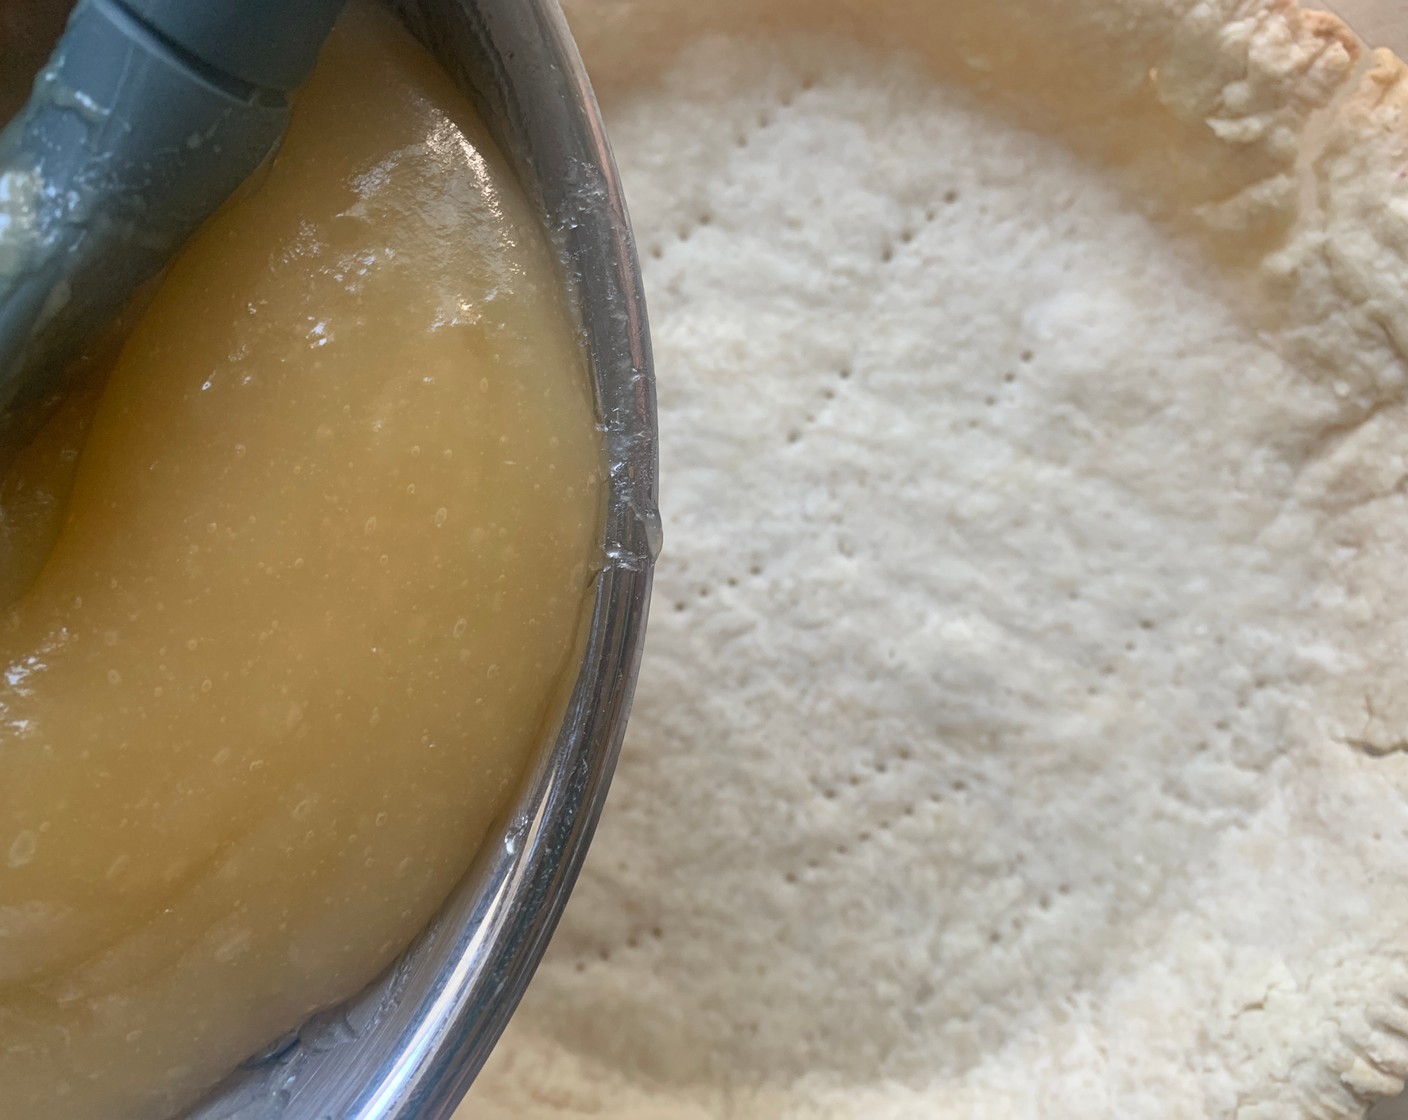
(146, 118)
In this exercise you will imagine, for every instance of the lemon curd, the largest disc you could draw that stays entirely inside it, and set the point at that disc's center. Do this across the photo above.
(321, 571)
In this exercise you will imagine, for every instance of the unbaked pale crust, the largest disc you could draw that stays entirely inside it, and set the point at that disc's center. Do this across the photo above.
(1023, 729)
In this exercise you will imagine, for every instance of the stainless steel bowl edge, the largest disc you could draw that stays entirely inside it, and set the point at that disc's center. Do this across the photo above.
(408, 1047)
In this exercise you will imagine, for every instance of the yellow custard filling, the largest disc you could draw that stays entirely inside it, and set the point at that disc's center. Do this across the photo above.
(321, 572)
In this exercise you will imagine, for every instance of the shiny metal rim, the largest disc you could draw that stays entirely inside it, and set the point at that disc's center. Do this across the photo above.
(408, 1047)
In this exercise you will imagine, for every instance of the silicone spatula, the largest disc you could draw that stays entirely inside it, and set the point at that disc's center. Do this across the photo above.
(148, 115)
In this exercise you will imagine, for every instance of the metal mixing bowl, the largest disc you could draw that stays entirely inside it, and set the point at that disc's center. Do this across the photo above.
(408, 1047)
